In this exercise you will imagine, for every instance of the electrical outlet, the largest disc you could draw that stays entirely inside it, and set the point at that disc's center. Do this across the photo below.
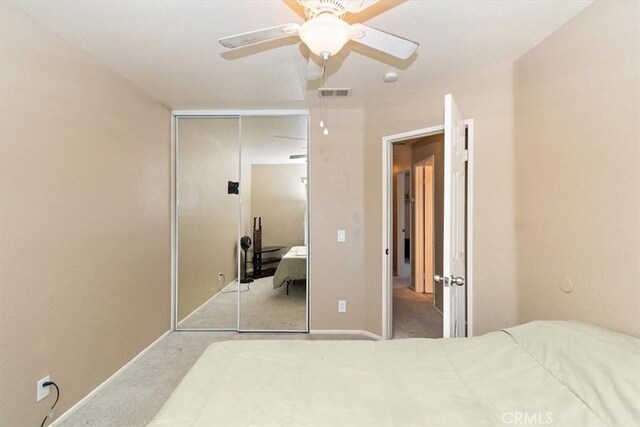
(42, 391)
(342, 236)
(342, 306)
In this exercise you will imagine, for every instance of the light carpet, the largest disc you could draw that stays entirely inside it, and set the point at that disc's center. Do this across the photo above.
(261, 308)
(413, 313)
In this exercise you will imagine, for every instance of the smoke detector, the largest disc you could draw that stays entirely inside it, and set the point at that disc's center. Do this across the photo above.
(390, 77)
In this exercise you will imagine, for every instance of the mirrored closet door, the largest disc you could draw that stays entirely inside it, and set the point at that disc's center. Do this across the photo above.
(274, 217)
(207, 158)
(241, 223)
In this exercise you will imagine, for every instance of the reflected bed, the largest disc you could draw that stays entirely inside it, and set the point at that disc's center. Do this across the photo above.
(292, 267)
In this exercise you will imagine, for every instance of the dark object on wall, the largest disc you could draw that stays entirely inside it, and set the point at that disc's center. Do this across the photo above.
(233, 187)
(245, 244)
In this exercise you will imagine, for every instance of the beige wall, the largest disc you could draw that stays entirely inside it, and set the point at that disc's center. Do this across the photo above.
(278, 196)
(208, 156)
(487, 97)
(85, 223)
(346, 192)
(337, 195)
(577, 163)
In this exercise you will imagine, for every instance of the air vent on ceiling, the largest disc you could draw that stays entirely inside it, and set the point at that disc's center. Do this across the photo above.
(336, 92)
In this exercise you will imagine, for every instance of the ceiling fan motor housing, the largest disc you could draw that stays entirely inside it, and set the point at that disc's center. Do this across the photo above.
(317, 7)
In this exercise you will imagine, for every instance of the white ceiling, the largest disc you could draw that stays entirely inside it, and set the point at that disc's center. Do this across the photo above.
(169, 48)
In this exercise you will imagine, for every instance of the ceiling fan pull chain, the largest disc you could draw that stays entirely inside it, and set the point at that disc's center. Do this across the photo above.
(325, 60)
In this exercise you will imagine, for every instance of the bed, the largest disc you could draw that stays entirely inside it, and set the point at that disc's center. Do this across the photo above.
(541, 373)
(292, 267)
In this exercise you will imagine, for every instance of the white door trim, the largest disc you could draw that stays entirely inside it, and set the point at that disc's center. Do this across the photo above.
(387, 222)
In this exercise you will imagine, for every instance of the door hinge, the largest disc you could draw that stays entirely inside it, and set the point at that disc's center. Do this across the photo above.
(466, 155)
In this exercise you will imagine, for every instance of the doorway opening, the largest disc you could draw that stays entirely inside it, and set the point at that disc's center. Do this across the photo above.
(456, 280)
(417, 236)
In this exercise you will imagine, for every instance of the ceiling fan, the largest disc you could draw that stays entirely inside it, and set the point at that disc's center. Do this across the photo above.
(325, 33)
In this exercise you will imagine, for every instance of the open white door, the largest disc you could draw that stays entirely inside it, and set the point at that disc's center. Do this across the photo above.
(454, 244)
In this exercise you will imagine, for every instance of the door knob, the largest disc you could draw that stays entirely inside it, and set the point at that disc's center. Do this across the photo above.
(443, 279)
(457, 281)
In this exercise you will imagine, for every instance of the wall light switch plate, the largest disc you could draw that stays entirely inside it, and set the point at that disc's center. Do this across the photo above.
(42, 392)
(342, 236)
(342, 306)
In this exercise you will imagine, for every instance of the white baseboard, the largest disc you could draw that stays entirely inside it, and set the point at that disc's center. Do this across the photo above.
(345, 332)
(75, 407)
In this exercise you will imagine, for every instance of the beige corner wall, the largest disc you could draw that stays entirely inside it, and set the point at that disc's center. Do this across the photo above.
(208, 157)
(487, 97)
(337, 270)
(278, 196)
(85, 222)
(577, 163)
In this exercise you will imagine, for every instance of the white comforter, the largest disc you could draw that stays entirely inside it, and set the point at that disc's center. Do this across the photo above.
(541, 373)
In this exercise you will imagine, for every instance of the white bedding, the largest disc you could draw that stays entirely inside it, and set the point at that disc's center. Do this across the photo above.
(293, 266)
(541, 373)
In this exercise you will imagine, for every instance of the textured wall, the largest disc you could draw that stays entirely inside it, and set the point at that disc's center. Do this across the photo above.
(487, 97)
(336, 184)
(577, 158)
(85, 223)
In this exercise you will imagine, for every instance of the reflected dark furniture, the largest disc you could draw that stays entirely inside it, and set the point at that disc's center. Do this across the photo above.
(265, 259)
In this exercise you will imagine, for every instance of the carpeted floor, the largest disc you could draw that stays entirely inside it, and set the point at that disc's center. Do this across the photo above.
(261, 308)
(134, 397)
(413, 313)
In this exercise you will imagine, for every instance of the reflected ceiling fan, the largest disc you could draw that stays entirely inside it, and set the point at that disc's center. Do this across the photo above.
(325, 33)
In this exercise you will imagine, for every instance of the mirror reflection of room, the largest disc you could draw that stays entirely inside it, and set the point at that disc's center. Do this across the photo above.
(207, 222)
(274, 218)
(242, 252)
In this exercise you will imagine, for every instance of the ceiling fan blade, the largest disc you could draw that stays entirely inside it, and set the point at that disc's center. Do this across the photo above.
(315, 71)
(355, 6)
(385, 42)
(258, 36)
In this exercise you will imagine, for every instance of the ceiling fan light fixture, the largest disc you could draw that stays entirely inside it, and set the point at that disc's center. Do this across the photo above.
(325, 34)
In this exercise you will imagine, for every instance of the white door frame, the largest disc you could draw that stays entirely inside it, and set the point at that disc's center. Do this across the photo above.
(387, 222)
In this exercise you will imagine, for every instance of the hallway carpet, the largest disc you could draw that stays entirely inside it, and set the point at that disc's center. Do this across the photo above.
(413, 313)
